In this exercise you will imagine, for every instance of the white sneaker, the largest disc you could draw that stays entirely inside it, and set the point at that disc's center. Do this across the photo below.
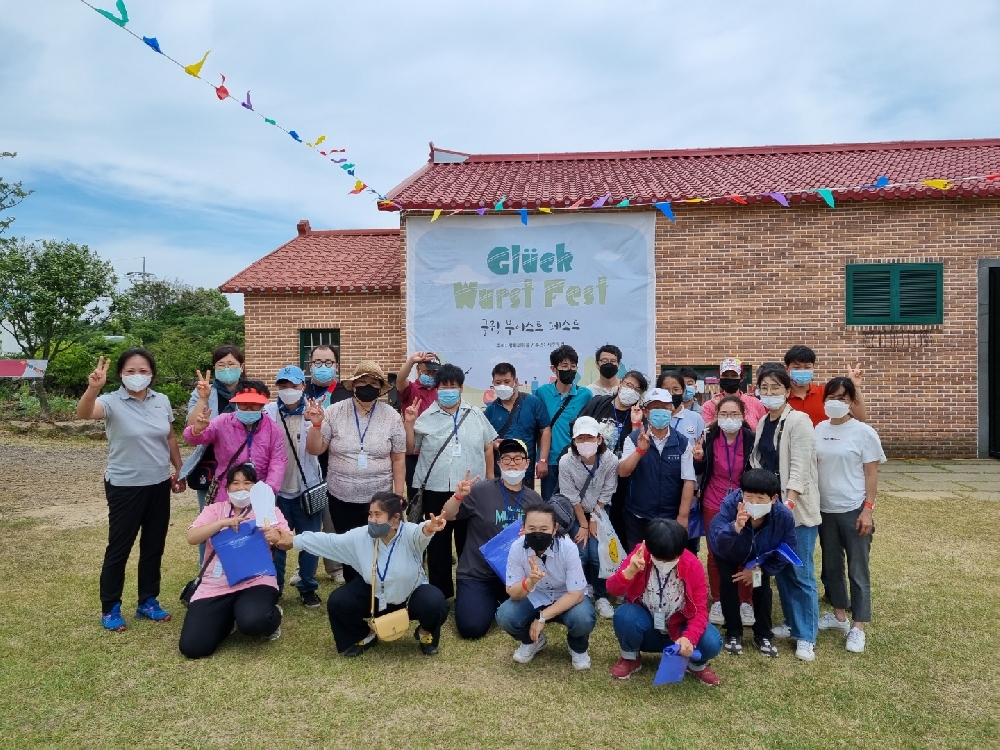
(580, 661)
(604, 608)
(715, 614)
(526, 651)
(782, 631)
(829, 621)
(856, 641)
(804, 651)
(746, 614)
(295, 579)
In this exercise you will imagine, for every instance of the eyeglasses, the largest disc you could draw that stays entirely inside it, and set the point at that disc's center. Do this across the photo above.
(324, 363)
(767, 389)
(607, 362)
(513, 460)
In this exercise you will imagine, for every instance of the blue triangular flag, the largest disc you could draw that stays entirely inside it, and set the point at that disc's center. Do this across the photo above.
(664, 206)
(295, 135)
(524, 215)
(789, 554)
(151, 41)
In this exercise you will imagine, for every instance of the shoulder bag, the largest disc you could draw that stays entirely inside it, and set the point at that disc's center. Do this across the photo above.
(313, 499)
(415, 510)
(510, 418)
(389, 627)
(213, 486)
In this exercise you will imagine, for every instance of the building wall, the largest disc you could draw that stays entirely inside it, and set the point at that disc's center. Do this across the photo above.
(371, 327)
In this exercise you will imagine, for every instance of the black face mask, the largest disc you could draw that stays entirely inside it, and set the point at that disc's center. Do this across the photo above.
(539, 541)
(366, 393)
(376, 530)
(676, 399)
(729, 385)
(609, 371)
(566, 377)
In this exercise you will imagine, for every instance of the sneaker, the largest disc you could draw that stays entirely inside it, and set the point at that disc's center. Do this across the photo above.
(829, 621)
(734, 646)
(604, 608)
(426, 642)
(151, 610)
(338, 576)
(804, 651)
(746, 614)
(361, 646)
(715, 614)
(309, 599)
(705, 675)
(526, 651)
(856, 641)
(625, 668)
(277, 631)
(781, 631)
(765, 646)
(113, 620)
(580, 661)
(296, 579)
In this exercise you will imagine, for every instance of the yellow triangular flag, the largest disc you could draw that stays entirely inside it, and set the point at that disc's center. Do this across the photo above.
(194, 69)
(693, 200)
(545, 210)
(939, 184)
(437, 213)
(359, 185)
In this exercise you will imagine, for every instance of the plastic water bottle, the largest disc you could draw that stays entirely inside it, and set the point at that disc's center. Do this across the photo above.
(534, 385)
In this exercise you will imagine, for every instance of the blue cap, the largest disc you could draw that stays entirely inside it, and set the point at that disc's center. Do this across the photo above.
(292, 374)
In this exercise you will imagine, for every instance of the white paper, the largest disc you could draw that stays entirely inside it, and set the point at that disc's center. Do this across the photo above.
(262, 500)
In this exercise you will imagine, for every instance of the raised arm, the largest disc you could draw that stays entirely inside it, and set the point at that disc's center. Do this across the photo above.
(88, 408)
(315, 444)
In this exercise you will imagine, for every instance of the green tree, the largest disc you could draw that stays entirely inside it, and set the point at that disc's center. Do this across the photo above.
(50, 296)
(11, 193)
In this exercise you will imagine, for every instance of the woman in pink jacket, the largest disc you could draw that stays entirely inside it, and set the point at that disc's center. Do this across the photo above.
(665, 602)
(243, 437)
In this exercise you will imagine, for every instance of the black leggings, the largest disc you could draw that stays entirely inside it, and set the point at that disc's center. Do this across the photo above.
(209, 622)
(729, 595)
(347, 516)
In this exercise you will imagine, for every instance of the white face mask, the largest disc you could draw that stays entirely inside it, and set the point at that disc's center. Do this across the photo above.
(664, 567)
(628, 396)
(836, 409)
(772, 402)
(289, 396)
(513, 477)
(586, 450)
(730, 425)
(136, 383)
(503, 392)
(757, 510)
(240, 498)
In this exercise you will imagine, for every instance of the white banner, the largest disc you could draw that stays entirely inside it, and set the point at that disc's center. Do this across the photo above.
(483, 290)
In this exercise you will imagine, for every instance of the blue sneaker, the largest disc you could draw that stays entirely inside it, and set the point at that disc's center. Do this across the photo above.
(113, 620)
(151, 610)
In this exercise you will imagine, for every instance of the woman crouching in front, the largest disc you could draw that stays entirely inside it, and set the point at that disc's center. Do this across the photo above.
(388, 554)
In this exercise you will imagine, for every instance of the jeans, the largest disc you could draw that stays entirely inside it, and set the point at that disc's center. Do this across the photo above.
(550, 482)
(515, 617)
(762, 601)
(633, 625)
(840, 540)
(592, 566)
(291, 509)
(476, 605)
(797, 588)
(208, 622)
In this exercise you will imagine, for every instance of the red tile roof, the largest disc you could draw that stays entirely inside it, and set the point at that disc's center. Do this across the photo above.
(352, 260)
(454, 180)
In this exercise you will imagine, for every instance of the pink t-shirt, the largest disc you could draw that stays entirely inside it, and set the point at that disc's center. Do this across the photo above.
(751, 405)
(727, 471)
(214, 582)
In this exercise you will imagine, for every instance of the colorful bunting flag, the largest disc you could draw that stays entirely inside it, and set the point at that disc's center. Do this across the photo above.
(318, 141)
(351, 171)
(599, 203)
(882, 181)
(577, 204)
(693, 200)
(436, 216)
(545, 210)
(456, 211)
(827, 195)
(247, 104)
(338, 161)
(499, 204)
(115, 19)
(151, 41)
(269, 121)
(665, 208)
(221, 91)
(524, 215)
(993, 176)
(295, 135)
(739, 199)
(939, 184)
(347, 166)
(359, 186)
(481, 211)
(780, 198)
(623, 204)
(194, 69)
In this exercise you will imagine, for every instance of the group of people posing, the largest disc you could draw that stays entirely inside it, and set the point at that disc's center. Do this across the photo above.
(761, 469)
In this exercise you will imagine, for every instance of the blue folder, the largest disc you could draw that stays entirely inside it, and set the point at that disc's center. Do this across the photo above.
(497, 549)
(673, 665)
(244, 554)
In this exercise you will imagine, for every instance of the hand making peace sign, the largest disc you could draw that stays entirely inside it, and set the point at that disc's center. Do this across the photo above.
(204, 385)
(99, 377)
(464, 487)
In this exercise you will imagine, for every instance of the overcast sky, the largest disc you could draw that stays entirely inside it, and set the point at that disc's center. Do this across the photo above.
(131, 156)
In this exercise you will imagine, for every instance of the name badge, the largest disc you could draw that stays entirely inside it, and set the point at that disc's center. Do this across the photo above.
(456, 449)
(659, 622)
(757, 578)
(217, 570)
(362, 460)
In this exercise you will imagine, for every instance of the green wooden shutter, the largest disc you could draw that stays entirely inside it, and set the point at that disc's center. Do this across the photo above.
(869, 294)
(920, 294)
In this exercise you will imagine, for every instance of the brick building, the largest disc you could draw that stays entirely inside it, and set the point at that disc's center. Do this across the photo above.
(904, 279)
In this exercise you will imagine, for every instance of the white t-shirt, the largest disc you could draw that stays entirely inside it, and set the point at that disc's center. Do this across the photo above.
(842, 450)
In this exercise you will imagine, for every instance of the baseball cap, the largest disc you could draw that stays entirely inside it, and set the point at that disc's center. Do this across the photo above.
(512, 445)
(658, 394)
(433, 364)
(586, 426)
(292, 374)
(733, 364)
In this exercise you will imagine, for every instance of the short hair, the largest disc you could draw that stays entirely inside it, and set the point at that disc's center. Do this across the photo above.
(672, 375)
(504, 368)
(610, 349)
(449, 374)
(324, 346)
(225, 350)
(687, 372)
(564, 352)
(643, 383)
(731, 399)
(540, 507)
(126, 355)
(772, 372)
(665, 538)
(257, 385)
(761, 482)
(601, 446)
(765, 366)
(389, 502)
(835, 384)
(800, 353)
(246, 469)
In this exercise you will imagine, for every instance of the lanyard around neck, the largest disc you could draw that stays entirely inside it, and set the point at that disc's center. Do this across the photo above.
(384, 572)
(357, 421)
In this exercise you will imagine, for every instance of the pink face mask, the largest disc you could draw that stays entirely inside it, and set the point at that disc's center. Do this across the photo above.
(587, 450)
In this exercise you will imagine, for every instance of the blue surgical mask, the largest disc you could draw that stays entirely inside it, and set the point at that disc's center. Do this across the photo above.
(801, 377)
(427, 381)
(228, 375)
(323, 374)
(659, 418)
(688, 392)
(248, 417)
(449, 396)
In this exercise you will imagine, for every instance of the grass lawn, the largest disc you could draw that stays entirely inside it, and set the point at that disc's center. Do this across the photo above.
(930, 677)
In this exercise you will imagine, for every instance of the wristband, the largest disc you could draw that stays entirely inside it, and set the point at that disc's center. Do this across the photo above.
(459, 499)
(316, 426)
(524, 585)
(869, 505)
(640, 452)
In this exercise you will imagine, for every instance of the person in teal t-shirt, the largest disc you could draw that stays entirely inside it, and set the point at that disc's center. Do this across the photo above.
(564, 401)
